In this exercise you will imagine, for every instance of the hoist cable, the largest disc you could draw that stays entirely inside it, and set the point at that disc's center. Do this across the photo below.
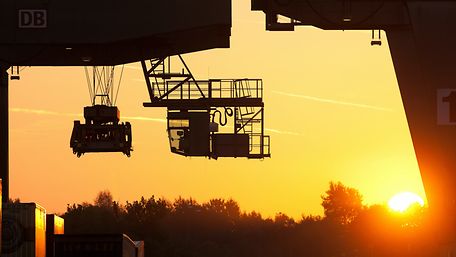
(118, 86)
(228, 113)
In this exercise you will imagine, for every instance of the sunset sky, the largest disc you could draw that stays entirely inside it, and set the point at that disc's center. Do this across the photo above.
(332, 107)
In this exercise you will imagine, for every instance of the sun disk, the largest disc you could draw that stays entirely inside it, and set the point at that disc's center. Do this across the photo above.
(402, 201)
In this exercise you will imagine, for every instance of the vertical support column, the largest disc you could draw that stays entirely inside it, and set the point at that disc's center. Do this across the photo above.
(235, 119)
(424, 60)
(262, 133)
(4, 135)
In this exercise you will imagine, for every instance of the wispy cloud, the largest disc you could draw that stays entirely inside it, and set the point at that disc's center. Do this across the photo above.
(53, 113)
(43, 112)
(333, 101)
(129, 118)
(282, 132)
(139, 118)
(275, 131)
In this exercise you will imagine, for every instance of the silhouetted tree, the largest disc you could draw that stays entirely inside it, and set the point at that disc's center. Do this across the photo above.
(186, 228)
(283, 220)
(341, 203)
(16, 200)
(104, 199)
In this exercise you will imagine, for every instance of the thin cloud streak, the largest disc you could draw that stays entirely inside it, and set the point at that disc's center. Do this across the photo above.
(52, 113)
(137, 118)
(332, 101)
(281, 132)
(276, 131)
(43, 112)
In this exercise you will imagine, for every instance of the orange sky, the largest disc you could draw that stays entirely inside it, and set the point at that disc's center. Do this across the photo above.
(333, 110)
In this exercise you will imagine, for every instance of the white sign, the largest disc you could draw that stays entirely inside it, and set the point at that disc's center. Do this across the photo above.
(32, 19)
(446, 106)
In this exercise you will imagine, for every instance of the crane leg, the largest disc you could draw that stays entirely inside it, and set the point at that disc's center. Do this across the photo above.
(425, 62)
(4, 135)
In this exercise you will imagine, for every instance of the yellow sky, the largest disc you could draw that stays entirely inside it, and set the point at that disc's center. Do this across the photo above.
(333, 110)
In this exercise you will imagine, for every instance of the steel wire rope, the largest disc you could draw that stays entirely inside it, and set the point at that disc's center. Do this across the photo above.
(118, 86)
(91, 93)
(110, 83)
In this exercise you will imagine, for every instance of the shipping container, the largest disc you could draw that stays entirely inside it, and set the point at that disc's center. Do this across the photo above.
(90, 245)
(24, 230)
(54, 226)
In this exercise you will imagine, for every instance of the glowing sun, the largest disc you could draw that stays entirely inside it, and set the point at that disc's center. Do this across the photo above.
(402, 201)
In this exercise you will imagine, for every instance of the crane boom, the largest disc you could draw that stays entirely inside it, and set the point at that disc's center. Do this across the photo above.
(86, 32)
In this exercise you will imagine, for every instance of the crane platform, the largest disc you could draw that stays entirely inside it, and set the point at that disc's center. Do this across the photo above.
(197, 109)
(203, 94)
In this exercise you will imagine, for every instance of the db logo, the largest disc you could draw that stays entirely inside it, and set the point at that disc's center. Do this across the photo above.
(32, 19)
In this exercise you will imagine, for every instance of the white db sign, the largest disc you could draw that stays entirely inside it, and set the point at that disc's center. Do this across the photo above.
(32, 19)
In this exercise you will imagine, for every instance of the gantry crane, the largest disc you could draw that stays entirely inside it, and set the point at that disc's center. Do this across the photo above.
(422, 44)
(85, 32)
(101, 33)
(108, 33)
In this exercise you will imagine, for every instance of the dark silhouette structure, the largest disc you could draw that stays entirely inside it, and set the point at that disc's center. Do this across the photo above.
(198, 108)
(55, 225)
(101, 132)
(36, 33)
(422, 48)
(87, 33)
(218, 227)
(107, 245)
(109, 33)
(4, 132)
(24, 230)
(342, 204)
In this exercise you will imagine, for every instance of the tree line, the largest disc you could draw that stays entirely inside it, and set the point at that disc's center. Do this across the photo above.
(218, 228)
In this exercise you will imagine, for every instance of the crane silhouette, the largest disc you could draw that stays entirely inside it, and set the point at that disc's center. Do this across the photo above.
(421, 40)
(419, 33)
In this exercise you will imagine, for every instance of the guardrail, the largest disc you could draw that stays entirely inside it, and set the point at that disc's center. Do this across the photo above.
(214, 88)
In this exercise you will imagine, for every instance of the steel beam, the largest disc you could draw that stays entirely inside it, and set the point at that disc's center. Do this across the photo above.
(4, 135)
(206, 103)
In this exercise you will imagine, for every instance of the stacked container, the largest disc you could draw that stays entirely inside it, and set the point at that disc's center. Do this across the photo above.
(24, 230)
(54, 226)
(108, 245)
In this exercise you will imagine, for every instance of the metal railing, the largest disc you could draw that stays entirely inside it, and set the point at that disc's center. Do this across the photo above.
(260, 145)
(214, 88)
